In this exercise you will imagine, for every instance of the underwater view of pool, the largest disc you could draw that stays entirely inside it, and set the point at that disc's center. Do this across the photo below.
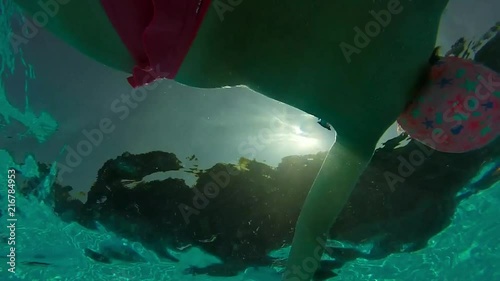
(99, 181)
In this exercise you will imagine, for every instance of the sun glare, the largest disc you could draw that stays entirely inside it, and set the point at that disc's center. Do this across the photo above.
(302, 138)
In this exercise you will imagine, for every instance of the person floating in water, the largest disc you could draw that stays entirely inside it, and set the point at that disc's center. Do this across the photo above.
(355, 64)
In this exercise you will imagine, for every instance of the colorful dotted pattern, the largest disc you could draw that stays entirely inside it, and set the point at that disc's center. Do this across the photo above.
(459, 109)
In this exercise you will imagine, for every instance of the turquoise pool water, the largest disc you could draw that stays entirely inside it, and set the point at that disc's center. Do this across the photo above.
(466, 250)
(48, 248)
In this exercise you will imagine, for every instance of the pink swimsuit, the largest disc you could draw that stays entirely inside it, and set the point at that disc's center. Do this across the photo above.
(459, 110)
(157, 33)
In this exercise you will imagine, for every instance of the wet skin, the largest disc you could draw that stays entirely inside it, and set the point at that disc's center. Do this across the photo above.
(290, 51)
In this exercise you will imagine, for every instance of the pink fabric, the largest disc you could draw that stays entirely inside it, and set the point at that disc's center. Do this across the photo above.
(459, 110)
(157, 33)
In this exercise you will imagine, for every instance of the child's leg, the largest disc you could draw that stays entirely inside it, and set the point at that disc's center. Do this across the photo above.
(326, 199)
(84, 25)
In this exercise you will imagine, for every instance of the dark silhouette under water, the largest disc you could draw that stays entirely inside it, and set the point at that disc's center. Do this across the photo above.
(255, 212)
